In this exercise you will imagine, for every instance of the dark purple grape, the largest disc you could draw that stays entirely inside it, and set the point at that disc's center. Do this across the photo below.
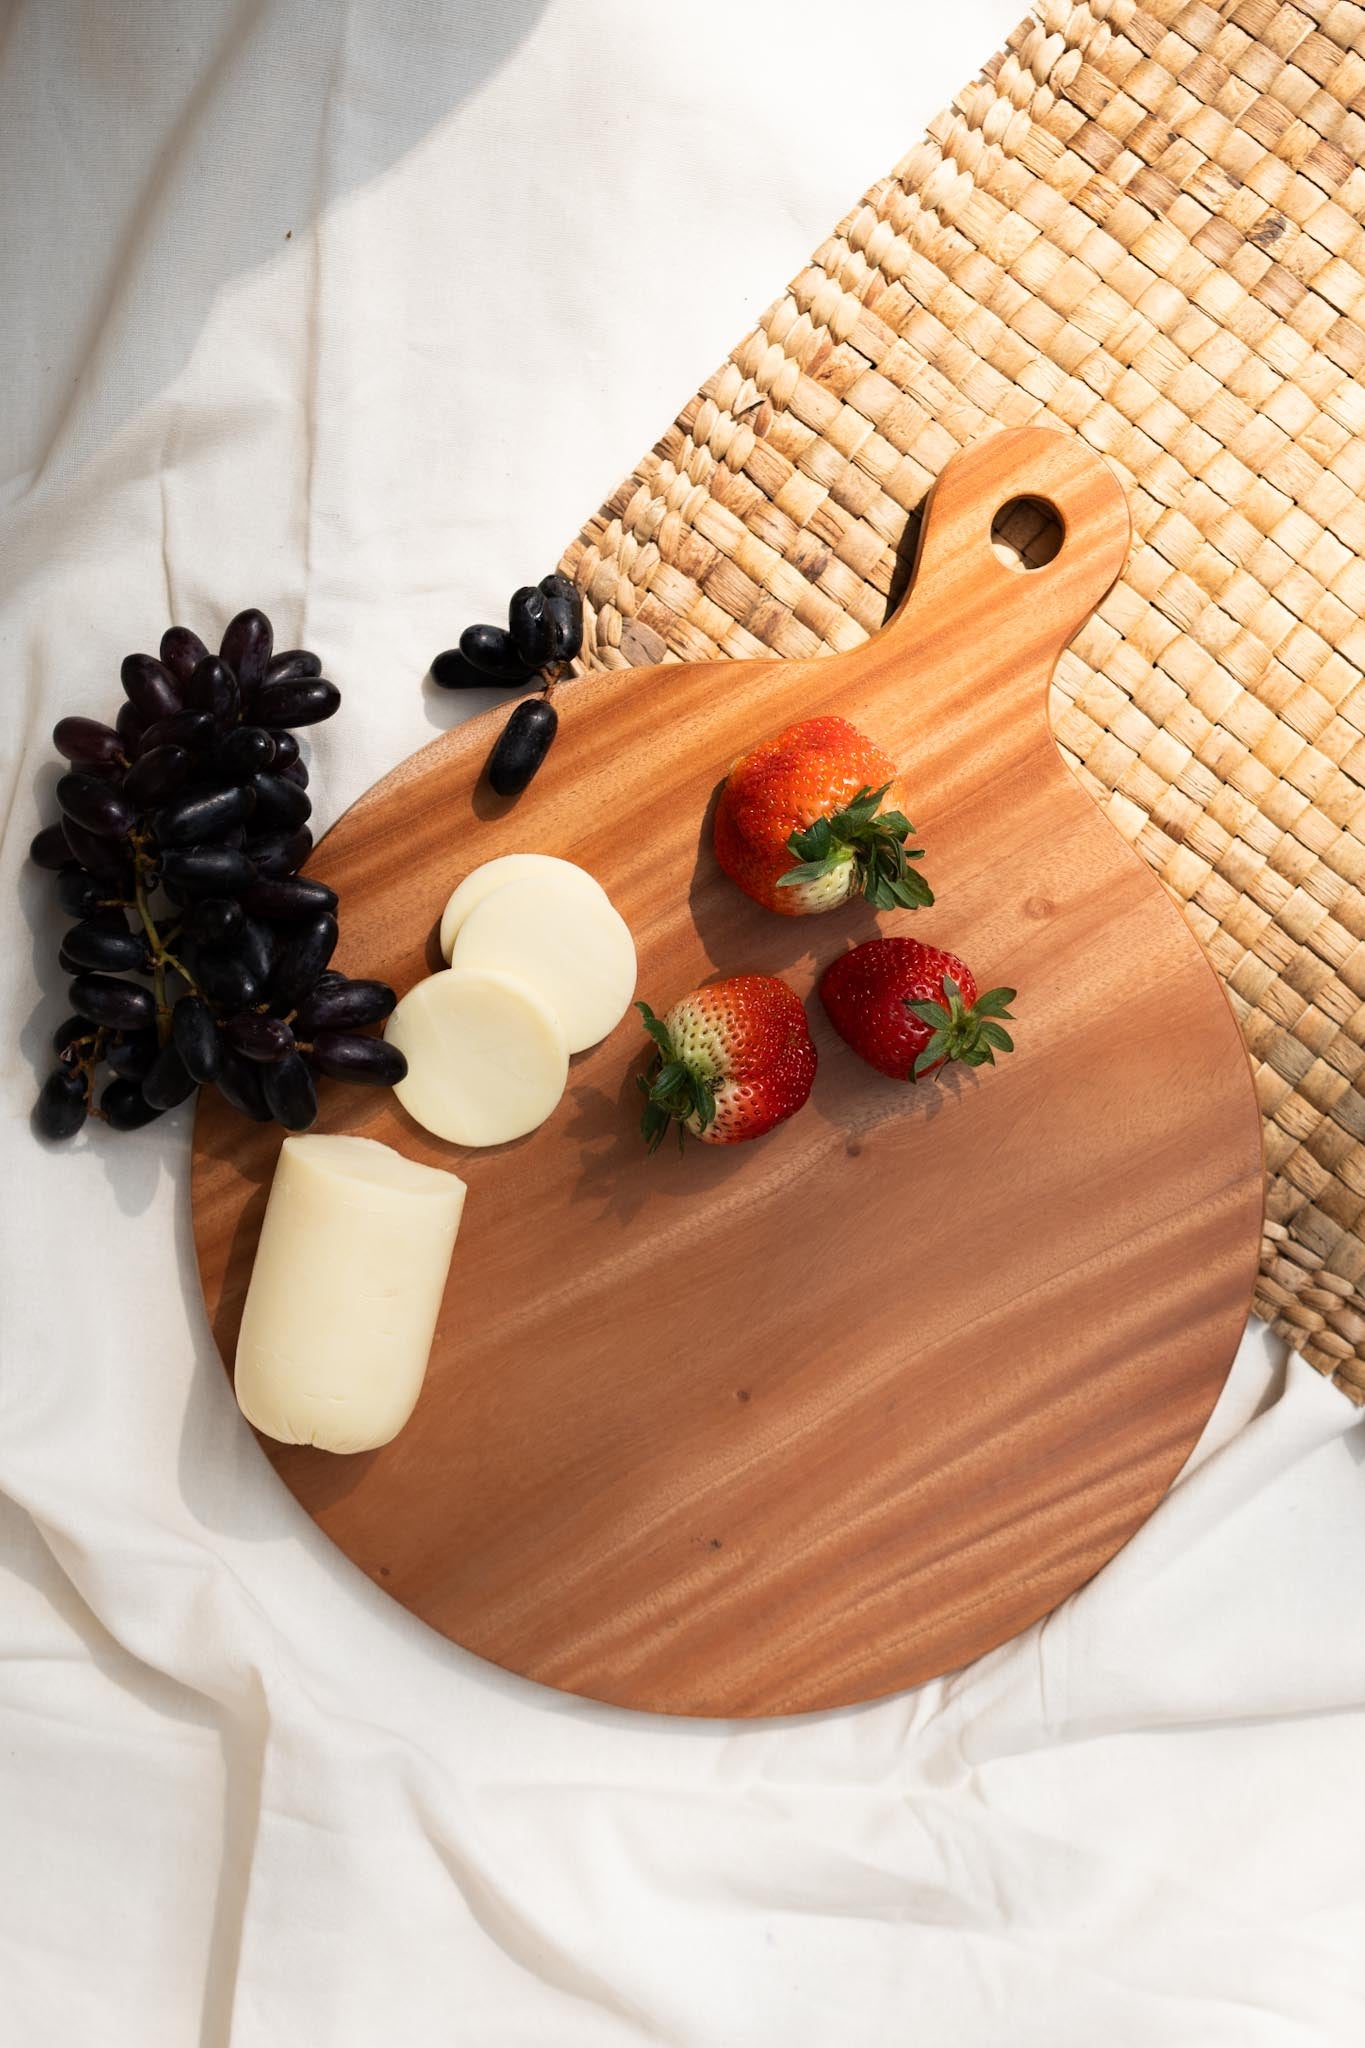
(258, 1037)
(286, 749)
(207, 870)
(181, 652)
(348, 1057)
(200, 815)
(132, 1052)
(344, 1006)
(215, 920)
(125, 1106)
(192, 729)
(279, 805)
(255, 946)
(290, 1095)
(95, 806)
(122, 1005)
(157, 776)
(167, 1081)
(280, 854)
(246, 649)
(489, 649)
(239, 1084)
(66, 963)
(72, 1031)
(63, 1101)
(107, 859)
(297, 773)
(196, 1038)
(130, 726)
(305, 702)
(88, 743)
(112, 952)
(245, 753)
(522, 745)
(50, 848)
(283, 900)
(295, 665)
(331, 979)
(564, 608)
(300, 960)
(450, 671)
(213, 688)
(79, 893)
(149, 686)
(227, 981)
(531, 626)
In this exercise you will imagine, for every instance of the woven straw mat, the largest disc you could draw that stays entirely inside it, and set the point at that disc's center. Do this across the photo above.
(1142, 223)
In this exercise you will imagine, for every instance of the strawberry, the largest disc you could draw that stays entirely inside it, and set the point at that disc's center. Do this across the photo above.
(814, 795)
(907, 1008)
(730, 1061)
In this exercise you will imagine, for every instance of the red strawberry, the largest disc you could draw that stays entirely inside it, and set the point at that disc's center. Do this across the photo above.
(907, 1008)
(731, 1060)
(813, 796)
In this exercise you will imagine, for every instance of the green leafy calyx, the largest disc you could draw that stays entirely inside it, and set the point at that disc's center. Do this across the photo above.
(874, 840)
(961, 1031)
(674, 1092)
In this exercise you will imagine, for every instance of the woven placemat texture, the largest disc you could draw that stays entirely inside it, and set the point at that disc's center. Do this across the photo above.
(1143, 223)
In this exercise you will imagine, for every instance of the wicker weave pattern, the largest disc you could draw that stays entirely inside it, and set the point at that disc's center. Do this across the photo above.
(1143, 223)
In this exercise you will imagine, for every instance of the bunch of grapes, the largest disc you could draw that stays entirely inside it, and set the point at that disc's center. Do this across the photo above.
(544, 628)
(199, 952)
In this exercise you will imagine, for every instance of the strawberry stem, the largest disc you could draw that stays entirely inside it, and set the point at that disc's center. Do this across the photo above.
(964, 1032)
(674, 1092)
(874, 840)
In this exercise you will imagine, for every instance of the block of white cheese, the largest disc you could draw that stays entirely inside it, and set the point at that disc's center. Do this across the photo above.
(575, 950)
(495, 874)
(487, 1058)
(345, 1292)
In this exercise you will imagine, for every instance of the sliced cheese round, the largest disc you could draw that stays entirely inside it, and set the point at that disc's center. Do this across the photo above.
(487, 1058)
(573, 949)
(496, 874)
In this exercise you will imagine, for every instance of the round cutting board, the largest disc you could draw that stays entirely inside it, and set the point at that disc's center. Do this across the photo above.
(785, 1425)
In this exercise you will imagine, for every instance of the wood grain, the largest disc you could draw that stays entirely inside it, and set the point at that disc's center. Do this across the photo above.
(798, 1423)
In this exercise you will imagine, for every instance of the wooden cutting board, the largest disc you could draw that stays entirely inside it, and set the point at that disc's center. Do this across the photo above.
(796, 1423)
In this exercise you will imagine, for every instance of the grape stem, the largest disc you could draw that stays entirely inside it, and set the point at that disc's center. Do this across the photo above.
(162, 957)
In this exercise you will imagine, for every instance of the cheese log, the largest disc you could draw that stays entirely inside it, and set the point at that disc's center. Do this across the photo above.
(495, 874)
(487, 1059)
(345, 1292)
(573, 949)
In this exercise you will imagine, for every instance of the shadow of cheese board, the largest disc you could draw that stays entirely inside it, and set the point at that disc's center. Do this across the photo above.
(786, 1425)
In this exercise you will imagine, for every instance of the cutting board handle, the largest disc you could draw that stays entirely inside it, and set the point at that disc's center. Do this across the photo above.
(957, 574)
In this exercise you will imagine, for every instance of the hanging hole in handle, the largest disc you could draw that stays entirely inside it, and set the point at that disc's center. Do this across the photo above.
(1026, 534)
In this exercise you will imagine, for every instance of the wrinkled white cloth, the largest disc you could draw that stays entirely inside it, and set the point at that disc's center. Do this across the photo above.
(353, 312)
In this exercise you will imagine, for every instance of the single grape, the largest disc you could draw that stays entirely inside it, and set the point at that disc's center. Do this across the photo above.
(254, 946)
(306, 701)
(300, 960)
(280, 854)
(297, 773)
(192, 729)
(122, 1005)
(213, 688)
(49, 848)
(106, 859)
(564, 608)
(202, 814)
(207, 870)
(290, 1094)
(78, 893)
(258, 1037)
(246, 649)
(149, 686)
(157, 776)
(239, 1084)
(288, 898)
(215, 920)
(88, 743)
(245, 753)
(279, 805)
(346, 1056)
(132, 1052)
(522, 745)
(126, 1107)
(286, 748)
(67, 964)
(130, 726)
(489, 649)
(181, 652)
(63, 1101)
(531, 626)
(113, 952)
(227, 981)
(295, 665)
(95, 806)
(167, 1082)
(196, 1038)
(450, 671)
(71, 1031)
(343, 1006)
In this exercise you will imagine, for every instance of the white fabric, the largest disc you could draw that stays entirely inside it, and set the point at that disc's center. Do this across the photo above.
(352, 312)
